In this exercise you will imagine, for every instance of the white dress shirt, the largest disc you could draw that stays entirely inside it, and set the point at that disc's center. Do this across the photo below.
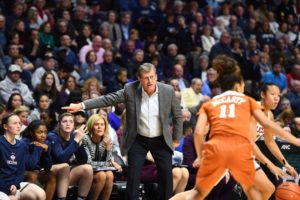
(149, 123)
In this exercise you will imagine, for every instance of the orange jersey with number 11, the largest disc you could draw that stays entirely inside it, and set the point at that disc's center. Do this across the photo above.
(230, 114)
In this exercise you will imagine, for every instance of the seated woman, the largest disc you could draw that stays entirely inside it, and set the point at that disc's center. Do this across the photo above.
(14, 156)
(149, 175)
(35, 138)
(98, 147)
(66, 145)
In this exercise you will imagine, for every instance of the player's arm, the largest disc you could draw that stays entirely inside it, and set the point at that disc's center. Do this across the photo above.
(260, 156)
(274, 149)
(199, 137)
(274, 128)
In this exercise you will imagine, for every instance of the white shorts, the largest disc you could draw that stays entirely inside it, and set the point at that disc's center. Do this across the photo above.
(23, 185)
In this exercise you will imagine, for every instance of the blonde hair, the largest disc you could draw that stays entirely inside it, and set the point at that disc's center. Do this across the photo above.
(21, 109)
(88, 82)
(93, 119)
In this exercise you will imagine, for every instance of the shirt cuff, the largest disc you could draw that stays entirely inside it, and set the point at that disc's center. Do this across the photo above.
(82, 105)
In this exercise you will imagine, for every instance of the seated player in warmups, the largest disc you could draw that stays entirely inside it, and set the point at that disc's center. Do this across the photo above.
(66, 145)
(229, 147)
(14, 155)
(35, 137)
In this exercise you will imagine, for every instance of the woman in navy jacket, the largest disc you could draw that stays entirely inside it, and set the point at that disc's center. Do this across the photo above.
(39, 148)
(13, 157)
(66, 148)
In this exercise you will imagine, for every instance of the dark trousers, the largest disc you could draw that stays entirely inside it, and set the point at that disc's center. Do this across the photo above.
(162, 155)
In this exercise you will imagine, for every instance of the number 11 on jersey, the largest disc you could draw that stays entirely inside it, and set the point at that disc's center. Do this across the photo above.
(227, 111)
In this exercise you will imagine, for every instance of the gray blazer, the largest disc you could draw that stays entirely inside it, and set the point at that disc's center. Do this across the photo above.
(131, 95)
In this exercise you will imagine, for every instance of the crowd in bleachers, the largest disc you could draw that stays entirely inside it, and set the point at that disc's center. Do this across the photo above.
(57, 52)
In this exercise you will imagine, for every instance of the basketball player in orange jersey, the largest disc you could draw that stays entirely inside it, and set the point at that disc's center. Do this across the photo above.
(229, 147)
(270, 96)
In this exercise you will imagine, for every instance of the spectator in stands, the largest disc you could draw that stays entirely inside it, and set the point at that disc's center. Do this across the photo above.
(90, 69)
(175, 84)
(98, 147)
(296, 126)
(251, 73)
(43, 103)
(12, 84)
(18, 11)
(277, 77)
(207, 84)
(23, 113)
(293, 75)
(272, 22)
(15, 100)
(235, 31)
(121, 79)
(45, 35)
(32, 19)
(48, 66)
(192, 96)
(125, 25)
(109, 70)
(282, 53)
(26, 69)
(239, 11)
(3, 39)
(97, 16)
(114, 117)
(251, 47)
(264, 63)
(251, 30)
(285, 119)
(265, 35)
(181, 60)
(136, 61)
(178, 73)
(19, 27)
(66, 148)
(65, 51)
(294, 96)
(63, 29)
(168, 61)
(3, 112)
(96, 46)
(206, 39)
(32, 46)
(222, 47)
(80, 16)
(115, 34)
(237, 50)
(84, 37)
(48, 87)
(13, 51)
(68, 86)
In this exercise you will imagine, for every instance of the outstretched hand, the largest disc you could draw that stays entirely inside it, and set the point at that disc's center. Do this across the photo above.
(291, 170)
(73, 107)
(279, 173)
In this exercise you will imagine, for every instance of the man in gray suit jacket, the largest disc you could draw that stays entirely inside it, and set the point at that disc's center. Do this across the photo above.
(149, 106)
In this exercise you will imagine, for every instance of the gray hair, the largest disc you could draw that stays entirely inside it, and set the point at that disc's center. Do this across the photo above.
(194, 80)
(144, 68)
